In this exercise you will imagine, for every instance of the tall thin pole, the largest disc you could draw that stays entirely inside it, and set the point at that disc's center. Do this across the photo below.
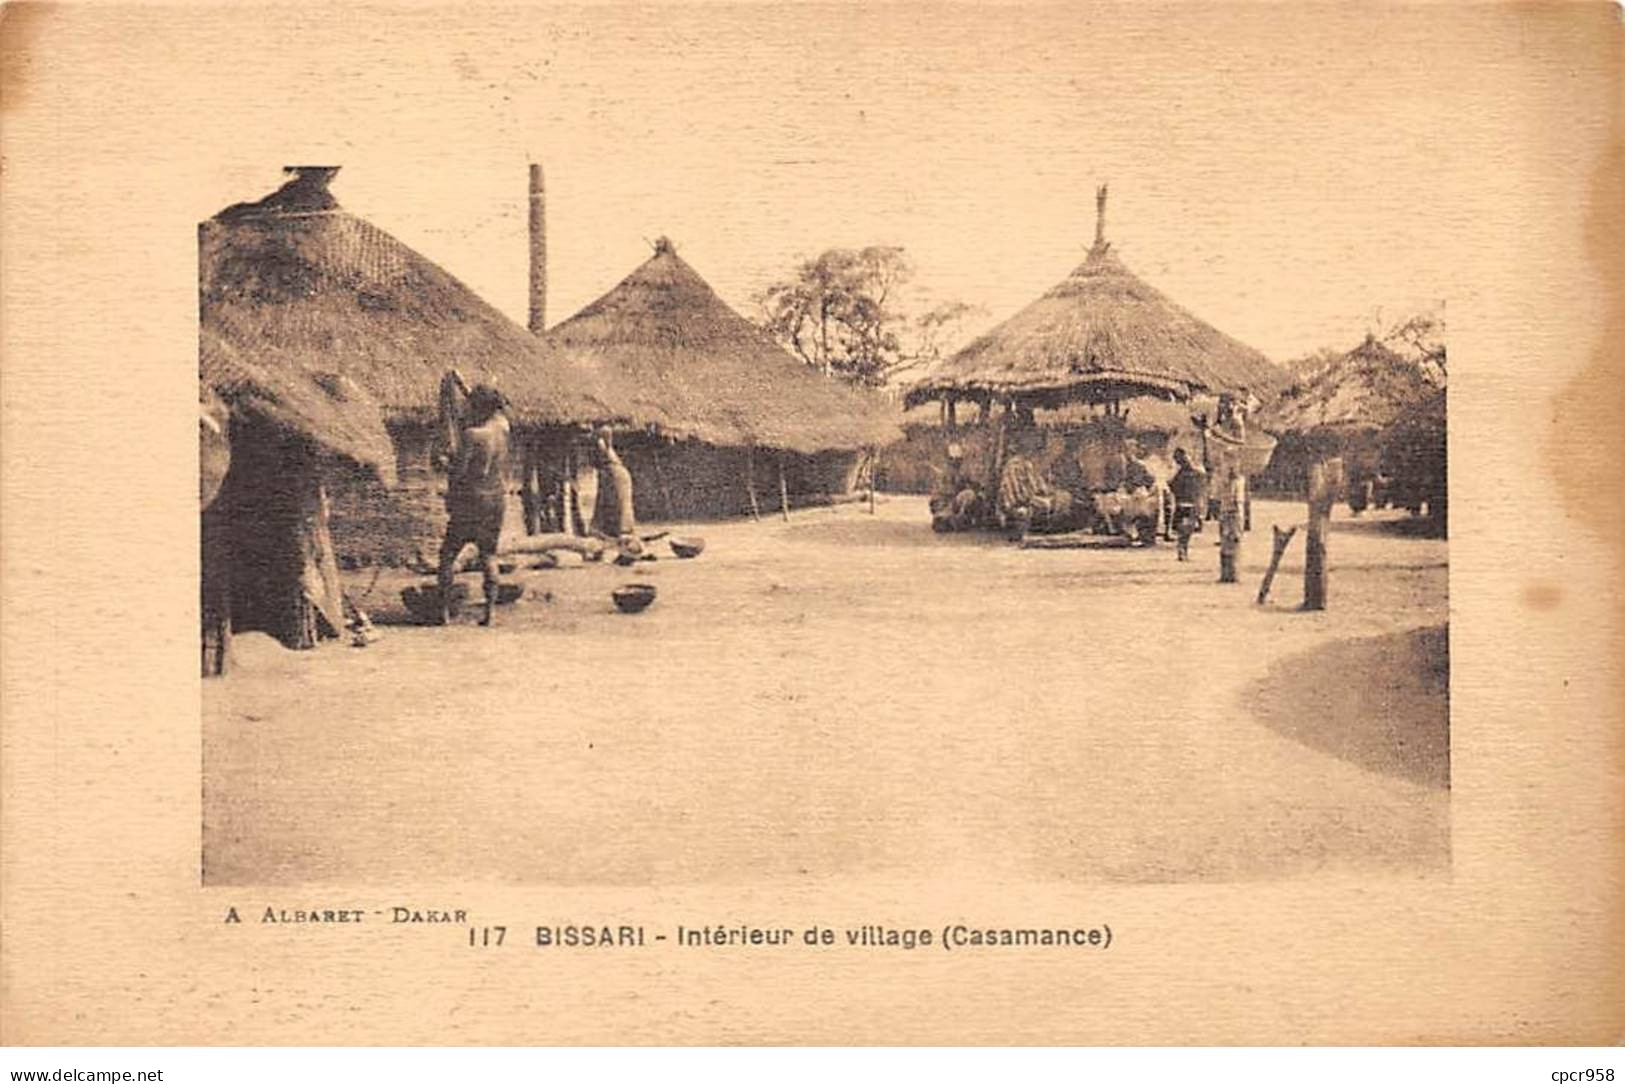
(538, 251)
(874, 469)
(784, 491)
(750, 481)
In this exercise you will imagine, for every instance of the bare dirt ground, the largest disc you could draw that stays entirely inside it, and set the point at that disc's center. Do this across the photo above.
(849, 694)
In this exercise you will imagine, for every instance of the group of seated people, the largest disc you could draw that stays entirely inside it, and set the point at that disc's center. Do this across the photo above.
(1111, 493)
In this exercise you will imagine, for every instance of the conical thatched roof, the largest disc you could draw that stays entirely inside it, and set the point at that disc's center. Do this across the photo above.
(1102, 333)
(702, 370)
(296, 278)
(1370, 387)
(326, 408)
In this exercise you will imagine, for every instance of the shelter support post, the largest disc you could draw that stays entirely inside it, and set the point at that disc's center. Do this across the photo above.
(570, 498)
(1323, 485)
(750, 481)
(1282, 540)
(784, 491)
(996, 463)
(530, 486)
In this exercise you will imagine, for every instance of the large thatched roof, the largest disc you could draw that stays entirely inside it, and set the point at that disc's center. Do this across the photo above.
(295, 278)
(1371, 387)
(702, 370)
(326, 408)
(1100, 334)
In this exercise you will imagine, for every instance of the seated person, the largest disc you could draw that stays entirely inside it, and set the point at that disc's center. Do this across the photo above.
(956, 502)
(1027, 499)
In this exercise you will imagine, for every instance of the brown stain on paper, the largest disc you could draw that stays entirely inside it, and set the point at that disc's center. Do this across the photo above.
(20, 27)
(1584, 427)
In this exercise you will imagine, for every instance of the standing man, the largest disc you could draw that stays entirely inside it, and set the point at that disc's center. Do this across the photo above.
(1186, 486)
(476, 494)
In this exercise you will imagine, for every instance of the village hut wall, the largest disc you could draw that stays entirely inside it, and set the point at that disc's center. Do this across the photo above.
(392, 527)
(268, 561)
(279, 432)
(694, 480)
(1415, 455)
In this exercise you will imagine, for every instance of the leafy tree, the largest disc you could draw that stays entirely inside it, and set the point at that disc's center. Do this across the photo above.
(843, 312)
(1420, 338)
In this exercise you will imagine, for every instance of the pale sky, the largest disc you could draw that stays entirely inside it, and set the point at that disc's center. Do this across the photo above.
(1285, 173)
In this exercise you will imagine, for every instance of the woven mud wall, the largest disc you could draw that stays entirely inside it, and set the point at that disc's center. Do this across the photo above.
(372, 525)
(691, 480)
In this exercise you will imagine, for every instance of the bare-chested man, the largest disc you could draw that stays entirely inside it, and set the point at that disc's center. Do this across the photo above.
(476, 495)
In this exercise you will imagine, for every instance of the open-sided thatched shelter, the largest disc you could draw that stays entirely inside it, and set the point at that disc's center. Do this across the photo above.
(1100, 335)
(270, 432)
(297, 277)
(728, 407)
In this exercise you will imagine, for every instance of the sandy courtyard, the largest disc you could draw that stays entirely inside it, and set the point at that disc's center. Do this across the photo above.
(849, 694)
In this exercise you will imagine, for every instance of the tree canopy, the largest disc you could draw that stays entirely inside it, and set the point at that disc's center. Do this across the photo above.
(845, 312)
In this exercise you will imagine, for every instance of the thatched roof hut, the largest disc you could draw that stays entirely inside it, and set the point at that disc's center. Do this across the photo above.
(703, 371)
(295, 277)
(328, 409)
(269, 429)
(1369, 388)
(1101, 334)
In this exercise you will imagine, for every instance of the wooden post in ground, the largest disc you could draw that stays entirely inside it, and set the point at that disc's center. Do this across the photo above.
(575, 522)
(784, 490)
(1229, 542)
(216, 565)
(1323, 478)
(874, 469)
(750, 481)
(1282, 540)
(530, 485)
(1229, 521)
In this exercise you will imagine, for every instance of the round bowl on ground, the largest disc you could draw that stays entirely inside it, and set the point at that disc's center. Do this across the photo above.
(633, 597)
(689, 546)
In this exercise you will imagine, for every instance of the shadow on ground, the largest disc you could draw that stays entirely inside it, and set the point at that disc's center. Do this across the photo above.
(1382, 703)
(1394, 526)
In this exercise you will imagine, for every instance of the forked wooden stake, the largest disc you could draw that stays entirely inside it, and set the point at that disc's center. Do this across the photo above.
(1282, 540)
